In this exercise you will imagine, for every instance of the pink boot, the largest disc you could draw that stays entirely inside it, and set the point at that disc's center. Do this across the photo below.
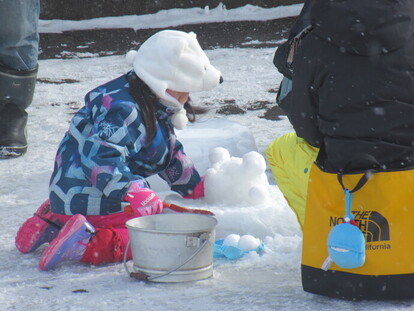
(41, 228)
(70, 244)
(107, 245)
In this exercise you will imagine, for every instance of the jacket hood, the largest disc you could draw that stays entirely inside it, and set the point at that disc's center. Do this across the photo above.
(364, 27)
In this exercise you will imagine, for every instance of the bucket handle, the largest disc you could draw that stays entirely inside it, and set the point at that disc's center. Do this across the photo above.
(141, 276)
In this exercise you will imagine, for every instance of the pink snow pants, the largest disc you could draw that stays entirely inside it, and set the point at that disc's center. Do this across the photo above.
(111, 238)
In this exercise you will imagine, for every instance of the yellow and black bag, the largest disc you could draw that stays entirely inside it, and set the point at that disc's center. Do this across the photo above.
(384, 211)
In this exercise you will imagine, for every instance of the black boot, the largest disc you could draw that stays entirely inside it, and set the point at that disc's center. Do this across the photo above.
(16, 94)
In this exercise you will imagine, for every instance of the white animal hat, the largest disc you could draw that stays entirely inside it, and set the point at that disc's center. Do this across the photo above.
(174, 60)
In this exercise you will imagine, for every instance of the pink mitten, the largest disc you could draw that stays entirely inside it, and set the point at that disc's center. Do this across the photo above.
(143, 201)
(197, 192)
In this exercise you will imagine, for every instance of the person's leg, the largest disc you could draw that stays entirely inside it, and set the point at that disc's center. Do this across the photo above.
(107, 245)
(19, 38)
(19, 42)
(109, 242)
(70, 244)
(16, 94)
(290, 159)
(39, 229)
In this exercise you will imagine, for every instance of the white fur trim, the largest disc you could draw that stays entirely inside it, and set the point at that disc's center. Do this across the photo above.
(174, 60)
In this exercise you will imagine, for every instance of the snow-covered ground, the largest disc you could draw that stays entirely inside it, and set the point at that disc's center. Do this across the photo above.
(267, 282)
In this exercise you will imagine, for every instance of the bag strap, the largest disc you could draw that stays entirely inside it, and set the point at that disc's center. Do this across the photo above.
(362, 158)
(295, 43)
(362, 181)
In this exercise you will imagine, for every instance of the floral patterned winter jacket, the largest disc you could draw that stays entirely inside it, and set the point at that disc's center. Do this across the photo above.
(103, 152)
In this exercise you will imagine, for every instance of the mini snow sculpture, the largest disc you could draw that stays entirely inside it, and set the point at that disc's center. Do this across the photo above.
(235, 246)
(236, 181)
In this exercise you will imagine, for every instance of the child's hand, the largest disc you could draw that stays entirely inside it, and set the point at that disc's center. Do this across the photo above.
(143, 201)
(197, 192)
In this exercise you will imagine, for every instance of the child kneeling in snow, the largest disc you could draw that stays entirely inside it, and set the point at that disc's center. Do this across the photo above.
(124, 134)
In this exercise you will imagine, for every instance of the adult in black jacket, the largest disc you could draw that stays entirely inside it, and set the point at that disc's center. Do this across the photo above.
(352, 95)
(353, 83)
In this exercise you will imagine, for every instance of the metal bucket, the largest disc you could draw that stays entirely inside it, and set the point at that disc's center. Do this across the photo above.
(172, 247)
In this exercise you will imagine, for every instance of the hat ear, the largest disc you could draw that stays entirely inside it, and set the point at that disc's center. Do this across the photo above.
(179, 46)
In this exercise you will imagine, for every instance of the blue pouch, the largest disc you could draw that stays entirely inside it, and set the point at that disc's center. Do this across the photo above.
(346, 246)
(346, 242)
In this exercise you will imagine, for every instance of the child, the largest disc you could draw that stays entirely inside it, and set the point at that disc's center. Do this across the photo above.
(123, 134)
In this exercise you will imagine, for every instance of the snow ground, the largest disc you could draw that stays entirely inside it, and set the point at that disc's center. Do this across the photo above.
(267, 282)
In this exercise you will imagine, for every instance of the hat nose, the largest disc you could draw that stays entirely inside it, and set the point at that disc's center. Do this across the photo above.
(221, 80)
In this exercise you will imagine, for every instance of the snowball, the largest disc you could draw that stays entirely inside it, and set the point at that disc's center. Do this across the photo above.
(254, 163)
(248, 243)
(210, 173)
(231, 240)
(130, 57)
(218, 154)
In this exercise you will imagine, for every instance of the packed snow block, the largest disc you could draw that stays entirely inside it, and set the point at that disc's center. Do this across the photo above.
(201, 137)
(382, 210)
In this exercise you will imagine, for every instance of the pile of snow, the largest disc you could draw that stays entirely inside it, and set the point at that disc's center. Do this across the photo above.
(237, 189)
(235, 181)
(173, 18)
(238, 192)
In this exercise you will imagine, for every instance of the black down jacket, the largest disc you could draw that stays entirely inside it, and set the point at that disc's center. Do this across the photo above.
(353, 83)
(303, 21)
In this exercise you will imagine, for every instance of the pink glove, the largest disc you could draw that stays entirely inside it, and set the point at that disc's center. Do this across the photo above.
(143, 201)
(197, 192)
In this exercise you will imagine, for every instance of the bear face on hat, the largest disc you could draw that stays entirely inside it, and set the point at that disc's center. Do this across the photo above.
(174, 60)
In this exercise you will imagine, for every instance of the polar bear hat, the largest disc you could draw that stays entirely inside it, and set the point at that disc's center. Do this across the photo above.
(172, 59)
